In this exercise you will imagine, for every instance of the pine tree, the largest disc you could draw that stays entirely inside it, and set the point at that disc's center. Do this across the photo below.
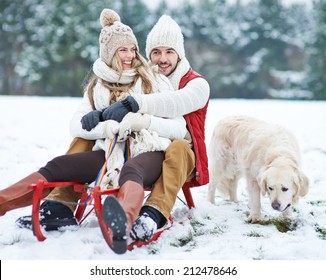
(317, 54)
(14, 37)
(265, 46)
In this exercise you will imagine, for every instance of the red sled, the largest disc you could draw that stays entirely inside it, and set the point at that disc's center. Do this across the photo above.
(94, 198)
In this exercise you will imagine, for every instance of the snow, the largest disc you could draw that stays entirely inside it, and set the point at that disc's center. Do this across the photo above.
(36, 129)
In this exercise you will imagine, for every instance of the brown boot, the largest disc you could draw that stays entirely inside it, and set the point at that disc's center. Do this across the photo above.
(131, 197)
(120, 213)
(19, 195)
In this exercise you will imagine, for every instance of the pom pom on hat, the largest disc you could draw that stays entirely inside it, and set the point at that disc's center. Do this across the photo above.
(108, 17)
(114, 34)
(165, 33)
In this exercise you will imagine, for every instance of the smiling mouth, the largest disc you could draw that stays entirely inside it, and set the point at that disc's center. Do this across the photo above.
(164, 66)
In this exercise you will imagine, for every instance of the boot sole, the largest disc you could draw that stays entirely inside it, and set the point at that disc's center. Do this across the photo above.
(116, 220)
(48, 225)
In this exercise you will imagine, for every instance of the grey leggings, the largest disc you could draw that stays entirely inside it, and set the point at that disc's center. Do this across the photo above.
(84, 167)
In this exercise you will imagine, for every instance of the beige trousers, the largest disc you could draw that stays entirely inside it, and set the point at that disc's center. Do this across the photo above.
(178, 168)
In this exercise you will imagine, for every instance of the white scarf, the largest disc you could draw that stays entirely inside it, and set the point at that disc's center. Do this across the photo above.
(103, 71)
(181, 69)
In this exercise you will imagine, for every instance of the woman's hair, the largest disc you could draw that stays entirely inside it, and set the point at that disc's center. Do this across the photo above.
(143, 70)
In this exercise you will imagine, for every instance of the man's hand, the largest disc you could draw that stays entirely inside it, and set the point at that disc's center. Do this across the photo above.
(91, 119)
(133, 122)
(119, 109)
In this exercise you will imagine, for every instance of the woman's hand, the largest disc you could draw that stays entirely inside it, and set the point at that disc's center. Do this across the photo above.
(119, 109)
(91, 119)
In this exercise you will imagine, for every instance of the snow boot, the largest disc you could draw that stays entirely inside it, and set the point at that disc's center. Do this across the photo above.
(143, 228)
(53, 216)
(120, 213)
(19, 194)
(146, 224)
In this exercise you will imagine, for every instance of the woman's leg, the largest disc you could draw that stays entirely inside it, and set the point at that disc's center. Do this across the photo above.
(68, 194)
(143, 169)
(119, 214)
(79, 167)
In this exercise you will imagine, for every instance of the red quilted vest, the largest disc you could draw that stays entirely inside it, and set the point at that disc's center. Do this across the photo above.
(196, 126)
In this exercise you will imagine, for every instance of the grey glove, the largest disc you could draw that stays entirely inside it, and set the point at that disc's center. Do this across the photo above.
(119, 109)
(91, 119)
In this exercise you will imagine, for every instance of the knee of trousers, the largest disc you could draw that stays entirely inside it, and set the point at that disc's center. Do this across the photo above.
(180, 149)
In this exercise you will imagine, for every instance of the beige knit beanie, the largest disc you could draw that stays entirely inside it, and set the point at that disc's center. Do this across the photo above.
(165, 33)
(114, 34)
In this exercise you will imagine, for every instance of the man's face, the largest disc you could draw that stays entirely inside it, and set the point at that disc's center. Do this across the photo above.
(166, 59)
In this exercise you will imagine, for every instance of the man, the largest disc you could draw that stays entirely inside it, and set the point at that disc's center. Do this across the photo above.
(165, 48)
(184, 160)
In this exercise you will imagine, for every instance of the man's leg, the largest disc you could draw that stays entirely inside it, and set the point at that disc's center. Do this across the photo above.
(178, 168)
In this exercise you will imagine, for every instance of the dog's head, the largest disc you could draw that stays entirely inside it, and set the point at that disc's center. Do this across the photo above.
(284, 185)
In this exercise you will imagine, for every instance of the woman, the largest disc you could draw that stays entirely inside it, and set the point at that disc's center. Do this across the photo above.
(120, 72)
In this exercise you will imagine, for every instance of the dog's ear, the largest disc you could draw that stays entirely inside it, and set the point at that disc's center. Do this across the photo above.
(304, 186)
(262, 181)
(301, 183)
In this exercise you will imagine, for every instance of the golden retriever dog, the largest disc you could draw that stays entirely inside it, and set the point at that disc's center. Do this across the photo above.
(266, 155)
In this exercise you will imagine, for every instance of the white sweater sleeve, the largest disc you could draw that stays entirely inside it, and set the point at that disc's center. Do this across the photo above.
(169, 128)
(172, 104)
(76, 129)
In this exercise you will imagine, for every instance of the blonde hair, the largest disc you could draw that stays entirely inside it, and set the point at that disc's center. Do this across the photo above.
(143, 70)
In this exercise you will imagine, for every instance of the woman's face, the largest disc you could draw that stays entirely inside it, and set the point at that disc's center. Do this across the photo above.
(127, 54)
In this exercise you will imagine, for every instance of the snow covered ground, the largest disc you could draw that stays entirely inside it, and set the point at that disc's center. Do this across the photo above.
(35, 129)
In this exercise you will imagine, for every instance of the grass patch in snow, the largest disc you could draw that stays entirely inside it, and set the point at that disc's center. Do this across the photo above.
(282, 225)
(318, 203)
(254, 234)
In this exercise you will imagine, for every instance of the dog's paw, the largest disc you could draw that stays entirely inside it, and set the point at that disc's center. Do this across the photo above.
(253, 218)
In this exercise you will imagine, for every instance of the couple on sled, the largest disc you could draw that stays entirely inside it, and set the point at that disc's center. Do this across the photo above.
(154, 110)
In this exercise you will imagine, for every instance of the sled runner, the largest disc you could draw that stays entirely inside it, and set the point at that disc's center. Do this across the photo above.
(93, 196)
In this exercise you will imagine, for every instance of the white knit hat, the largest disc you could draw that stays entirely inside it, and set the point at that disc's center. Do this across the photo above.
(114, 34)
(165, 33)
